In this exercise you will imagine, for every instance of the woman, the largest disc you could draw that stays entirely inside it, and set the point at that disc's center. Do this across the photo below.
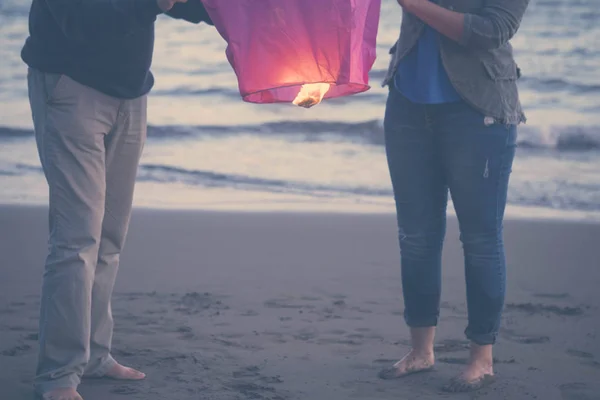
(450, 126)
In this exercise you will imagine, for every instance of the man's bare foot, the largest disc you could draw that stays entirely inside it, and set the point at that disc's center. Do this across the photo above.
(121, 372)
(479, 372)
(412, 363)
(62, 394)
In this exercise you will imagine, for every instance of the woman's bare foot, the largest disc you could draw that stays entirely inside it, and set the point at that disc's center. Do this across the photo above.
(419, 359)
(479, 372)
(411, 363)
(62, 394)
(121, 372)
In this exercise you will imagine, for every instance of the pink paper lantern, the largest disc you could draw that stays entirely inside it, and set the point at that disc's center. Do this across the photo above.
(298, 50)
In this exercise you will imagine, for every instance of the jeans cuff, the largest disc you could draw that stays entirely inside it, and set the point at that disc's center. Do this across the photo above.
(102, 369)
(68, 381)
(481, 339)
(421, 322)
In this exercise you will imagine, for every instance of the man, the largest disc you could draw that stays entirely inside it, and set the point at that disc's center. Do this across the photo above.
(89, 74)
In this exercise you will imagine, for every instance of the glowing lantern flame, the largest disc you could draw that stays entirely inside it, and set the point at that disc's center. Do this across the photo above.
(311, 94)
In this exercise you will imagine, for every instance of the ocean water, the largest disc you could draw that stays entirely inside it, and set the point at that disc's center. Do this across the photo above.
(208, 149)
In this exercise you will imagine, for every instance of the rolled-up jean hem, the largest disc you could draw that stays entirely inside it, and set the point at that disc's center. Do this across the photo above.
(69, 381)
(421, 322)
(481, 339)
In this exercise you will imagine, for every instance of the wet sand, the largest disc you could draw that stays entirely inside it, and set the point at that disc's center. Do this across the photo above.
(279, 306)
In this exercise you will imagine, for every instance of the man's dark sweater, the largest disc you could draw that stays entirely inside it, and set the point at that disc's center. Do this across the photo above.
(104, 44)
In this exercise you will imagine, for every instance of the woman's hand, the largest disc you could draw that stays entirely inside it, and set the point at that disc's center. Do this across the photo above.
(446, 22)
(166, 5)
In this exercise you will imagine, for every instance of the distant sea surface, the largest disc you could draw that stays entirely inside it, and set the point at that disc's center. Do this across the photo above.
(208, 149)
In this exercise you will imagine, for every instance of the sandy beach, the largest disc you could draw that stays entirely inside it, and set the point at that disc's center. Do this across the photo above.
(291, 306)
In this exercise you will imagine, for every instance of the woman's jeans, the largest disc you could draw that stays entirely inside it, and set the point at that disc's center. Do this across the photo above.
(433, 149)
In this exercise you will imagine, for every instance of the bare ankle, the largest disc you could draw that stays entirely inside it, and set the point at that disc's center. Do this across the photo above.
(422, 340)
(426, 353)
(482, 355)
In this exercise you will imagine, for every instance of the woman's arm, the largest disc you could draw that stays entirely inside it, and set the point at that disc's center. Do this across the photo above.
(491, 27)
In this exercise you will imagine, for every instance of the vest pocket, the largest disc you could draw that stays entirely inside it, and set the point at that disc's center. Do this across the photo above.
(501, 72)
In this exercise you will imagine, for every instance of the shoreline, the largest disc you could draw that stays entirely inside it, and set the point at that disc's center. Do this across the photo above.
(513, 212)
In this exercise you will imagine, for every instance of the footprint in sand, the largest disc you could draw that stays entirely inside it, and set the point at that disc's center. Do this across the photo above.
(277, 337)
(232, 335)
(453, 360)
(247, 372)
(253, 371)
(593, 364)
(580, 354)
(579, 391)
(186, 333)
(286, 303)
(326, 313)
(540, 309)
(451, 345)
(449, 306)
(184, 329)
(586, 358)
(169, 360)
(253, 391)
(123, 353)
(357, 336)
(125, 390)
(310, 298)
(557, 296)
(306, 335)
(513, 336)
(195, 303)
(464, 361)
(16, 351)
(362, 310)
(384, 361)
(132, 296)
(251, 384)
(271, 379)
(160, 311)
(346, 342)
(19, 329)
(339, 303)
